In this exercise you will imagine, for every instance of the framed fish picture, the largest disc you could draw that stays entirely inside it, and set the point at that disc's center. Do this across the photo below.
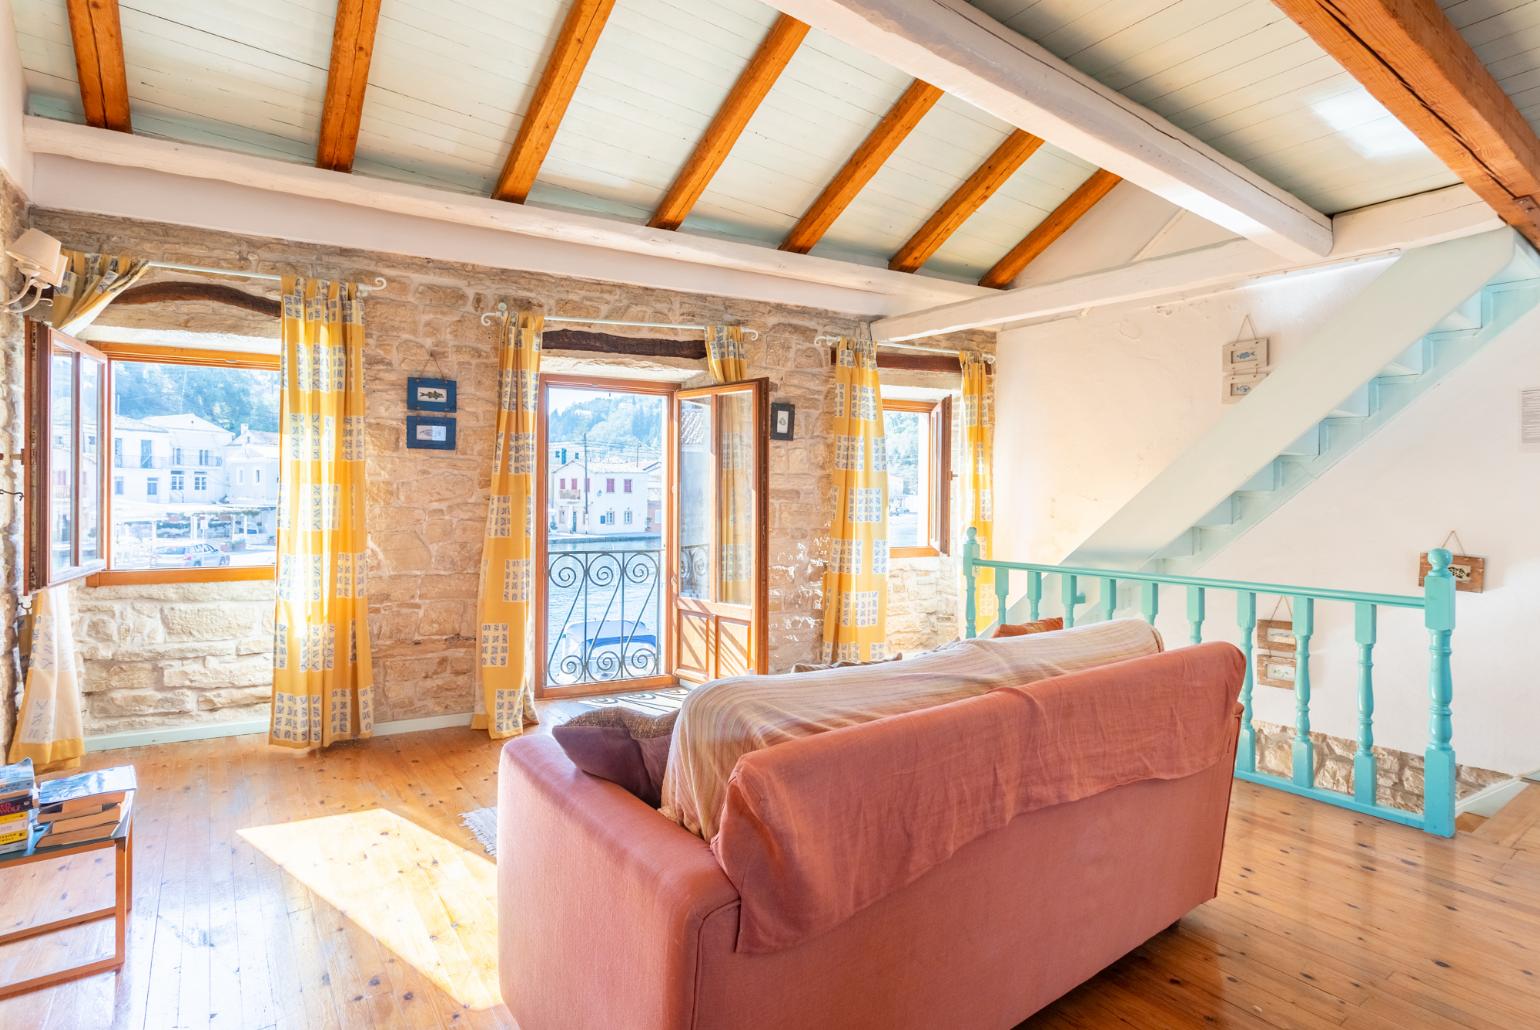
(430, 394)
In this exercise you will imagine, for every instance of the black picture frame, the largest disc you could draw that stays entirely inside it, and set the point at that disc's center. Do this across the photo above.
(430, 432)
(423, 394)
(783, 420)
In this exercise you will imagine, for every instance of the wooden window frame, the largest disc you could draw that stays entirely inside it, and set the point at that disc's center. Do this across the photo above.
(155, 354)
(43, 341)
(938, 513)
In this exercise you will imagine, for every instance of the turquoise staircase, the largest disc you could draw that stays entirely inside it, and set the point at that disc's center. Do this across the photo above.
(1425, 316)
(1360, 415)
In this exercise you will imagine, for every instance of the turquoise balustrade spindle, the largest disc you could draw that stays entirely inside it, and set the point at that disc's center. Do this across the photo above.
(1437, 604)
(1365, 774)
(1438, 768)
(1002, 591)
(1246, 619)
(1303, 768)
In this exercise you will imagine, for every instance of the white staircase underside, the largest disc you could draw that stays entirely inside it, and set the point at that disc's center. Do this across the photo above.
(1329, 375)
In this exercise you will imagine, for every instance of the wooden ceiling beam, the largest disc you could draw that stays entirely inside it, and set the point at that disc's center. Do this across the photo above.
(575, 44)
(347, 79)
(97, 33)
(1049, 229)
(1409, 56)
(878, 146)
(753, 85)
(969, 197)
(969, 54)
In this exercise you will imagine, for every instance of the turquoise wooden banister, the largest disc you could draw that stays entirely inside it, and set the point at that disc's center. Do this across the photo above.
(1436, 604)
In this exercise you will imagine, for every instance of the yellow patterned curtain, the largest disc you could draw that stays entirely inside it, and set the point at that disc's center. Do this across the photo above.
(855, 589)
(322, 678)
(91, 283)
(735, 512)
(48, 725)
(978, 396)
(505, 702)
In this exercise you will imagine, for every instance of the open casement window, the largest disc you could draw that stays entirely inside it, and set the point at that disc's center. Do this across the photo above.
(720, 531)
(65, 484)
(919, 449)
(193, 472)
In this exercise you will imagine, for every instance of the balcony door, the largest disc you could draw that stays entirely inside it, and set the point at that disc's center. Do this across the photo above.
(720, 586)
(603, 543)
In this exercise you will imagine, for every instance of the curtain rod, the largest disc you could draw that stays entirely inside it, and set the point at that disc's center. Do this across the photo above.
(502, 309)
(379, 283)
(829, 341)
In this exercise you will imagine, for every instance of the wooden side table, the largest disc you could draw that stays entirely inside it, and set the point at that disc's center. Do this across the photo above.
(122, 840)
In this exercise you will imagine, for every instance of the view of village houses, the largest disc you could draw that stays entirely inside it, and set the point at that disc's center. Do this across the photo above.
(186, 493)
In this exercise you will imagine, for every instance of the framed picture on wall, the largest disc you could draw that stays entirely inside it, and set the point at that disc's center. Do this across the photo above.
(430, 432)
(783, 421)
(430, 394)
(1276, 635)
(1277, 670)
(1246, 356)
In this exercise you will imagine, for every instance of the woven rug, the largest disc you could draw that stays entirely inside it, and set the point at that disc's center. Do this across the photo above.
(483, 826)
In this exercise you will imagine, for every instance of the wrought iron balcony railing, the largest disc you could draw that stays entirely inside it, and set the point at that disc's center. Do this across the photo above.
(603, 616)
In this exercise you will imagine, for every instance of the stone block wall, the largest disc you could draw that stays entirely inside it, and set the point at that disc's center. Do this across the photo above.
(427, 509)
(13, 219)
(174, 654)
(1399, 773)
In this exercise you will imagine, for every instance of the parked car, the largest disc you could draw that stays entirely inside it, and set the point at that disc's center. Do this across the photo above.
(192, 555)
(607, 650)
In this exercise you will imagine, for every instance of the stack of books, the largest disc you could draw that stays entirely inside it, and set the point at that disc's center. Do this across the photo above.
(85, 807)
(18, 797)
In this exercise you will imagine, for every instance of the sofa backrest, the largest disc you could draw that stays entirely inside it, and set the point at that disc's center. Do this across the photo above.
(817, 829)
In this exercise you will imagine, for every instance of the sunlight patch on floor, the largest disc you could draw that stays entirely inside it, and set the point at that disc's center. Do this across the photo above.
(427, 899)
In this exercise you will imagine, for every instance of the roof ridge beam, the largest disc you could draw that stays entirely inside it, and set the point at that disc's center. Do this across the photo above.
(975, 58)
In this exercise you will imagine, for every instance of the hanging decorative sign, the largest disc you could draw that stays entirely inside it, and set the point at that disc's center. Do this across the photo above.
(430, 394)
(1469, 571)
(1276, 635)
(1277, 670)
(1246, 363)
(431, 432)
(1277, 650)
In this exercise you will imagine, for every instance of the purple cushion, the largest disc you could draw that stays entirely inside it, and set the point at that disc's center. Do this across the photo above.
(609, 753)
(623, 745)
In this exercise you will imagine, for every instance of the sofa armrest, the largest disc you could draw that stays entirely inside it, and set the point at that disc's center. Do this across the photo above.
(600, 898)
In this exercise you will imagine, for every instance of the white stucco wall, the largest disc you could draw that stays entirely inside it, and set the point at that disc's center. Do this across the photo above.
(15, 158)
(1091, 408)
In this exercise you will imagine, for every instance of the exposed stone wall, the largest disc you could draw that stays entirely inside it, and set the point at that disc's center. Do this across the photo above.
(427, 509)
(157, 655)
(1399, 773)
(13, 219)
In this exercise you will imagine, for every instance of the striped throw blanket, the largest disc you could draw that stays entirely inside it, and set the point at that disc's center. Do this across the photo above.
(724, 720)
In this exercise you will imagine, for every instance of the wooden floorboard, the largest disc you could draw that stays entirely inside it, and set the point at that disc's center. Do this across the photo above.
(340, 890)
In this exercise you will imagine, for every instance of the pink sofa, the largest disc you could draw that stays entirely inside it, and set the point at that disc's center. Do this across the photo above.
(961, 866)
